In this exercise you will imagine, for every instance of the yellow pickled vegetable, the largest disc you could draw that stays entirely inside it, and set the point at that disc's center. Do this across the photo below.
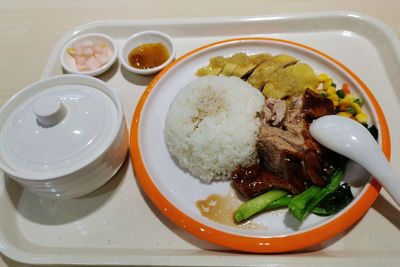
(327, 83)
(356, 107)
(330, 90)
(335, 103)
(71, 51)
(322, 77)
(345, 114)
(349, 98)
(362, 117)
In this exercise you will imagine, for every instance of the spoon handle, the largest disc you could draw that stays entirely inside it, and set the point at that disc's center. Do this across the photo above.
(370, 156)
(381, 170)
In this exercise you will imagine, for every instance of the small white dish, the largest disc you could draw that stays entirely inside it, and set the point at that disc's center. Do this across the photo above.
(64, 136)
(69, 64)
(146, 37)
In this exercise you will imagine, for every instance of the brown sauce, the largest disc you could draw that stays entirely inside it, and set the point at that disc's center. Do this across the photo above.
(148, 56)
(220, 209)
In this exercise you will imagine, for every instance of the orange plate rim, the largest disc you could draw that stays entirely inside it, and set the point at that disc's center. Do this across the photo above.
(276, 244)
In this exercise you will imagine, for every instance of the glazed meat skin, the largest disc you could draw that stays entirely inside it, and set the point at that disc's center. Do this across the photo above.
(255, 180)
(291, 158)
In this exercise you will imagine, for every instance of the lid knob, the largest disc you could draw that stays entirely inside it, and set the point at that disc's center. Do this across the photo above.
(49, 110)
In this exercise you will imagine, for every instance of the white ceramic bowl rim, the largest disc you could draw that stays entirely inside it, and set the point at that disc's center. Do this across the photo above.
(94, 72)
(152, 70)
(64, 79)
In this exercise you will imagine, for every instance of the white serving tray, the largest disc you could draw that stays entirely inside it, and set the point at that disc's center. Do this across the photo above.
(117, 224)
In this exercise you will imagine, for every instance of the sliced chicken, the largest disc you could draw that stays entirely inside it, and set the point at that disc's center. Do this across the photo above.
(264, 71)
(214, 68)
(232, 62)
(247, 65)
(290, 81)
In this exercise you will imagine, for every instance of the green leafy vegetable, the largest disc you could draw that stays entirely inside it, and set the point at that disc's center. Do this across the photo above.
(320, 201)
(282, 202)
(334, 202)
(303, 203)
(257, 204)
(298, 204)
(374, 131)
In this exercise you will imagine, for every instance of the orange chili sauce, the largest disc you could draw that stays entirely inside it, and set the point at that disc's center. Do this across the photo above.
(148, 56)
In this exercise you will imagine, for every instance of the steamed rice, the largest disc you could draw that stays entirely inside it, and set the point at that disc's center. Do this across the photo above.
(212, 126)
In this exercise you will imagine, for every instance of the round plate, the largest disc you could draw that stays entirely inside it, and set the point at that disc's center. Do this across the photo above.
(175, 192)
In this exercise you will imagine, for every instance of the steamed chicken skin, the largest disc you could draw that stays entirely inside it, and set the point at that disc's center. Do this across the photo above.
(232, 63)
(290, 81)
(277, 76)
(214, 68)
(263, 72)
(237, 65)
(249, 64)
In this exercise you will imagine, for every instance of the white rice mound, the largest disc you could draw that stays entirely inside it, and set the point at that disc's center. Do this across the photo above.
(212, 125)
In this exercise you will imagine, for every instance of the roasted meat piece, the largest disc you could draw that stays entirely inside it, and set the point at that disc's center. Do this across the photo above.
(255, 180)
(291, 158)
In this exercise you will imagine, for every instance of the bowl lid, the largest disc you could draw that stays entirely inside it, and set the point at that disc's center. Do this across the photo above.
(58, 128)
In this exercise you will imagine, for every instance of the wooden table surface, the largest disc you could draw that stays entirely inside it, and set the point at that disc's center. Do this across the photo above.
(30, 29)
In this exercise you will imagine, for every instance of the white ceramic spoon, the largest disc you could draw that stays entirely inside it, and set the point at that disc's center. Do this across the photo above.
(349, 138)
